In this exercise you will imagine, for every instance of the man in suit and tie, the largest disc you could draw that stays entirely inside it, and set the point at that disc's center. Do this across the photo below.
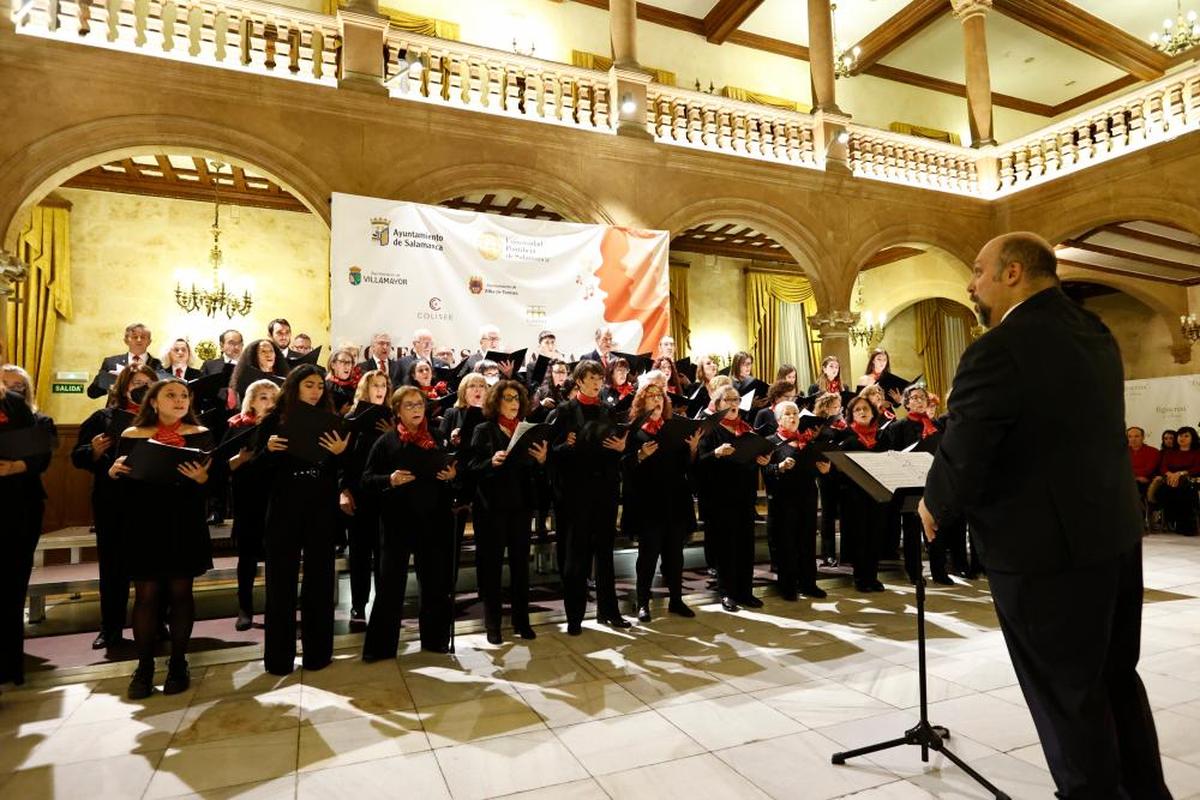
(379, 356)
(231, 348)
(604, 346)
(1044, 480)
(422, 347)
(489, 339)
(137, 339)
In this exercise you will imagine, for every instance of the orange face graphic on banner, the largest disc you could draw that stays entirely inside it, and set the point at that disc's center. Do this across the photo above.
(633, 289)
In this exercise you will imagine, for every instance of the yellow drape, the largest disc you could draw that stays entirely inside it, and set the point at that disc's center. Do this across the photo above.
(680, 330)
(747, 96)
(412, 23)
(931, 340)
(925, 133)
(763, 291)
(586, 60)
(44, 295)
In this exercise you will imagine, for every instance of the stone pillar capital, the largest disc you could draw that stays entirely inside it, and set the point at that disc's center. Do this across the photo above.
(1182, 353)
(965, 9)
(835, 323)
(12, 272)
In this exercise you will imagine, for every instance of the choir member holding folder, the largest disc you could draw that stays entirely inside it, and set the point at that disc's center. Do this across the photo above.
(792, 501)
(370, 418)
(504, 457)
(27, 440)
(410, 471)
(658, 499)
(95, 451)
(249, 497)
(162, 468)
(863, 520)
(298, 442)
(730, 455)
(262, 359)
(587, 447)
(342, 379)
(828, 406)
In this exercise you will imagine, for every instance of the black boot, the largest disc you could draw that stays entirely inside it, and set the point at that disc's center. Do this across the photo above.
(179, 678)
(141, 685)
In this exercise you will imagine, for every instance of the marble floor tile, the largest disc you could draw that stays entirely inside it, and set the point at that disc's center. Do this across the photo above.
(105, 739)
(507, 765)
(239, 715)
(385, 699)
(798, 765)
(241, 760)
(625, 742)
(675, 686)
(1012, 775)
(23, 706)
(586, 789)
(244, 677)
(817, 703)
(437, 686)
(349, 741)
(487, 717)
(581, 702)
(987, 720)
(115, 778)
(416, 775)
(703, 775)
(730, 721)
(900, 686)
(277, 789)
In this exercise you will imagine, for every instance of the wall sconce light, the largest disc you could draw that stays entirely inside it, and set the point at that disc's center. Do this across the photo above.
(628, 104)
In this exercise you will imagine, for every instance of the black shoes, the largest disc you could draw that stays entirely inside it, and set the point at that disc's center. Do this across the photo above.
(944, 580)
(494, 637)
(730, 605)
(524, 631)
(750, 601)
(178, 677)
(868, 586)
(791, 597)
(643, 613)
(680, 608)
(244, 622)
(616, 621)
(141, 685)
(574, 628)
(101, 642)
(815, 592)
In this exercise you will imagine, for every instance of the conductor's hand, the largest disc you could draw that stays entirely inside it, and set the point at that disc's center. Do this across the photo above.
(498, 458)
(693, 441)
(346, 502)
(277, 444)
(334, 442)
(616, 443)
(448, 473)
(927, 520)
(118, 468)
(538, 452)
(401, 477)
(763, 460)
(100, 444)
(896, 397)
(196, 470)
(647, 450)
(724, 450)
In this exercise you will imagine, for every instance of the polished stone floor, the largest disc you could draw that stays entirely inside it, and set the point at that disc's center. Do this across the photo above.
(740, 706)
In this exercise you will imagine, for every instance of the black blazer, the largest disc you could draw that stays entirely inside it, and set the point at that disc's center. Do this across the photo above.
(1043, 479)
(189, 373)
(110, 363)
(214, 366)
(396, 370)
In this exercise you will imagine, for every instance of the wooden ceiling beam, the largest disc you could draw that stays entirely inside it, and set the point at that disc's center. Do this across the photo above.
(890, 255)
(1129, 255)
(1126, 273)
(100, 180)
(168, 170)
(1150, 238)
(1087, 33)
(956, 89)
(746, 253)
(902, 26)
(726, 17)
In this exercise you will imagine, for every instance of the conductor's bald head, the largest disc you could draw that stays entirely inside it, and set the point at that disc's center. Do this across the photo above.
(1009, 269)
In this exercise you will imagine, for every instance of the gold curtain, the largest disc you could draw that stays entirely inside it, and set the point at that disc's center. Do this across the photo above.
(925, 133)
(931, 340)
(764, 290)
(586, 60)
(680, 330)
(747, 96)
(45, 294)
(412, 23)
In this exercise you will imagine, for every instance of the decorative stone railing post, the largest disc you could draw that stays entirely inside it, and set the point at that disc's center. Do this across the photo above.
(831, 141)
(363, 32)
(627, 81)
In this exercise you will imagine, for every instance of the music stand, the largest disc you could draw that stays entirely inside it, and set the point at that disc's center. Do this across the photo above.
(924, 734)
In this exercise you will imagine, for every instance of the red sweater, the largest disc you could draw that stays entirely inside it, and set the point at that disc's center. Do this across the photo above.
(1145, 461)
(1178, 460)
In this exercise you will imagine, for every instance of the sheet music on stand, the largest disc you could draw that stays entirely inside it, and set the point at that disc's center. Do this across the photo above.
(895, 470)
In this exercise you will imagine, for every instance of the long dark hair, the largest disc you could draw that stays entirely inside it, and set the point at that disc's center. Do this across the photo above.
(249, 358)
(887, 367)
(148, 415)
(548, 389)
(491, 403)
(1188, 429)
(116, 395)
(289, 394)
(735, 366)
(848, 412)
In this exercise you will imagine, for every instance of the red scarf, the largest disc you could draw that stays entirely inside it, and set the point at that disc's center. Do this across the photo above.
(420, 437)
(170, 434)
(927, 427)
(509, 424)
(887, 413)
(347, 383)
(584, 400)
(796, 438)
(435, 392)
(838, 424)
(835, 386)
(132, 408)
(653, 426)
(243, 420)
(866, 433)
(624, 389)
(737, 426)
(3, 417)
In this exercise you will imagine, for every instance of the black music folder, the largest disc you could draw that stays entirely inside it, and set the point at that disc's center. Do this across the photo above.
(303, 429)
(154, 462)
(29, 441)
(526, 436)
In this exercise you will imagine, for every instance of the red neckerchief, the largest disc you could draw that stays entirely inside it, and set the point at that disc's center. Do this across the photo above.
(347, 383)
(132, 408)
(420, 437)
(652, 426)
(838, 424)
(887, 413)
(624, 389)
(170, 434)
(584, 400)
(3, 417)
(509, 424)
(435, 392)
(927, 427)
(737, 426)
(866, 433)
(797, 438)
(243, 420)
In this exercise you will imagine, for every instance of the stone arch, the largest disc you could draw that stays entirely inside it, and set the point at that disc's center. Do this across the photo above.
(36, 170)
(555, 192)
(1166, 302)
(1077, 220)
(962, 248)
(800, 243)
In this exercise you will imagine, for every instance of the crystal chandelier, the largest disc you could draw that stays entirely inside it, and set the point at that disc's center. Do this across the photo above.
(217, 298)
(1179, 34)
(1189, 326)
(844, 61)
(868, 331)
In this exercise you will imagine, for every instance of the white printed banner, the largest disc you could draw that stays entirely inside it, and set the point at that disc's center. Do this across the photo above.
(397, 266)
(1159, 404)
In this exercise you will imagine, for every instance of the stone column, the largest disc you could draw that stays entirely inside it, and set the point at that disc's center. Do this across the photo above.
(627, 82)
(820, 57)
(363, 31)
(973, 15)
(835, 336)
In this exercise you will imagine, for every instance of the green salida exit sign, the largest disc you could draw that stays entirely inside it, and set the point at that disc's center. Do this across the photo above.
(66, 388)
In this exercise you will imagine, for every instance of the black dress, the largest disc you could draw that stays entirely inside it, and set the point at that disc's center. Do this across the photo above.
(364, 523)
(864, 521)
(24, 502)
(792, 515)
(731, 492)
(901, 435)
(249, 520)
(164, 529)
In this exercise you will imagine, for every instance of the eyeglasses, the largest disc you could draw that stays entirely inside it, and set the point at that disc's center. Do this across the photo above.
(412, 405)
(653, 393)
(510, 398)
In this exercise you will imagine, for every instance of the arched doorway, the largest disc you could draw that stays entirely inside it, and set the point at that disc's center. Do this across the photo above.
(1145, 338)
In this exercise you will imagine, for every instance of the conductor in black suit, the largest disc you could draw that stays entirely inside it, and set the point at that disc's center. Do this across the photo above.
(137, 339)
(1044, 480)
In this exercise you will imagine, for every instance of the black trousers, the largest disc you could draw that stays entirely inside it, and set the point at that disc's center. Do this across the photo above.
(1179, 504)
(23, 529)
(830, 500)
(1073, 637)
(114, 577)
(249, 523)
(792, 525)
(664, 539)
(430, 543)
(364, 550)
(495, 532)
(732, 526)
(588, 539)
(914, 536)
(295, 528)
(864, 523)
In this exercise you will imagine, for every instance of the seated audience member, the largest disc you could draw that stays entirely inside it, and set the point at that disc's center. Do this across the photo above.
(230, 342)
(137, 339)
(179, 362)
(280, 332)
(1166, 441)
(1144, 458)
(1176, 493)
